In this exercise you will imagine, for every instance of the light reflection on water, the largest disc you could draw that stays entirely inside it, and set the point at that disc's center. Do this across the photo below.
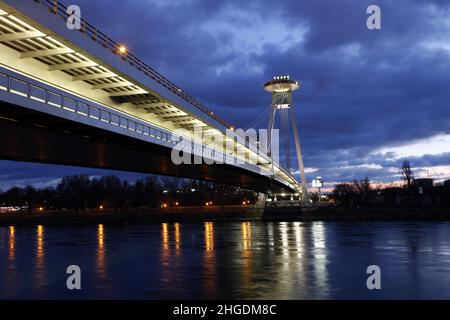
(40, 271)
(235, 260)
(209, 261)
(101, 262)
(12, 243)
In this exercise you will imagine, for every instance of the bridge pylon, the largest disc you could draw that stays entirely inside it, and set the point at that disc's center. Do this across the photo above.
(282, 88)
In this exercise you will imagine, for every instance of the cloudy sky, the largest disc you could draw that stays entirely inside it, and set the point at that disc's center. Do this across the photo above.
(370, 98)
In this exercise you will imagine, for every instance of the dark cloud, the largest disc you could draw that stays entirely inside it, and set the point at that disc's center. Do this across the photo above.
(362, 90)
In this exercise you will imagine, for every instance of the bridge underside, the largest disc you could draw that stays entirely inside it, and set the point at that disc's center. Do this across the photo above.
(33, 136)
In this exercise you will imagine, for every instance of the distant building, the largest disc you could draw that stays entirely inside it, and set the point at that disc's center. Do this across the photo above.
(424, 186)
(447, 183)
(425, 190)
(425, 183)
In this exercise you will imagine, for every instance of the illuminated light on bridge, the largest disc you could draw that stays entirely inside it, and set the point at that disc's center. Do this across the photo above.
(123, 49)
(59, 90)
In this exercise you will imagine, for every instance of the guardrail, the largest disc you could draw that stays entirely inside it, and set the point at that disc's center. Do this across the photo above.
(71, 105)
(60, 101)
(59, 9)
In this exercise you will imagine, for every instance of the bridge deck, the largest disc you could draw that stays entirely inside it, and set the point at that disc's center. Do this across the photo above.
(88, 65)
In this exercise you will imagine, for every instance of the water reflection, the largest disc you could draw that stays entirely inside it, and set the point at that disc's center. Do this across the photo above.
(177, 238)
(209, 236)
(320, 253)
(165, 237)
(270, 236)
(283, 229)
(298, 232)
(12, 243)
(246, 235)
(101, 253)
(11, 273)
(233, 260)
(209, 261)
(40, 274)
(247, 254)
(298, 258)
(165, 258)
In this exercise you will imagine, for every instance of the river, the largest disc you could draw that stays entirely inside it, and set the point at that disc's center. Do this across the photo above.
(234, 260)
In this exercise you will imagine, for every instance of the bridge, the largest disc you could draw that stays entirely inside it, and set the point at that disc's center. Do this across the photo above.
(76, 97)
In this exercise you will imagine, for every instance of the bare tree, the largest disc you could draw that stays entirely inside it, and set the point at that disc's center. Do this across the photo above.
(407, 175)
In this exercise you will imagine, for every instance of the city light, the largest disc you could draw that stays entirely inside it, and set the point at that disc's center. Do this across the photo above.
(101, 207)
(122, 49)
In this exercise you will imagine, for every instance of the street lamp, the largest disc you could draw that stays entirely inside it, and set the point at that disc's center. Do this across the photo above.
(122, 49)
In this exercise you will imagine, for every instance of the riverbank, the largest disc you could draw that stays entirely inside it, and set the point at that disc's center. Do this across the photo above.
(234, 213)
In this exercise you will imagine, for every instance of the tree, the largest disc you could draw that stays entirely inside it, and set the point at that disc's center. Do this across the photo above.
(152, 192)
(353, 193)
(407, 175)
(14, 197)
(138, 194)
(30, 196)
(344, 193)
(74, 191)
(113, 188)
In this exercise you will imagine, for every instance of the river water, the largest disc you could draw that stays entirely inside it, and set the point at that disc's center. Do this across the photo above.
(233, 260)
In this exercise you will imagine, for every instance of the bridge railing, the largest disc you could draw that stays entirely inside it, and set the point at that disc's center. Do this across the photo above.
(72, 105)
(60, 10)
(66, 103)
